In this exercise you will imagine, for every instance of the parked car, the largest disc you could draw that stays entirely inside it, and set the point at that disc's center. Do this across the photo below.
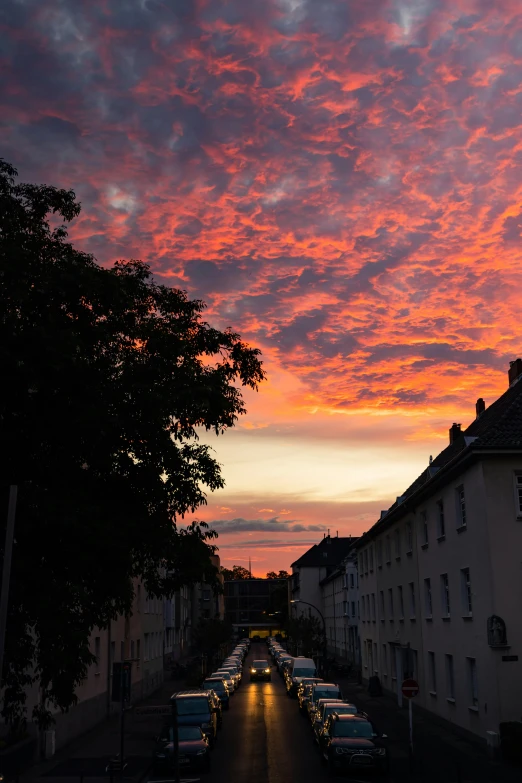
(229, 673)
(260, 670)
(322, 690)
(228, 679)
(303, 692)
(219, 686)
(352, 742)
(196, 708)
(298, 669)
(217, 705)
(193, 751)
(325, 707)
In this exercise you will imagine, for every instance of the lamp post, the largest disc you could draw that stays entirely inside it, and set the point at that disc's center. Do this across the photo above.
(300, 601)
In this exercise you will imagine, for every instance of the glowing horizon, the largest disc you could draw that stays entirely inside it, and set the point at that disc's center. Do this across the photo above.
(340, 182)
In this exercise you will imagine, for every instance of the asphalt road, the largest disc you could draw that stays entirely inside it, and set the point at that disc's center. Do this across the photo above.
(264, 738)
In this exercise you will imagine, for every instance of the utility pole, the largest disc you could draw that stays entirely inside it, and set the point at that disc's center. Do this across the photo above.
(6, 571)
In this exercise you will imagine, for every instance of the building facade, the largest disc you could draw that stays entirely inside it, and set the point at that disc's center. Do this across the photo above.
(255, 606)
(339, 601)
(441, 576)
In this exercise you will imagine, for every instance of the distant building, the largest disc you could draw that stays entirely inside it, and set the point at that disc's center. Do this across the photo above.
(253, 605)
(441, 576)
(340, 601)
(312, 568)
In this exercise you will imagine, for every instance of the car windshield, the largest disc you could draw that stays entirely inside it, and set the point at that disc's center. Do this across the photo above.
(325, 694)
(297, 672)
(260, 664)
(214, 685)
(189, 733)
(192, 706)
(356, 728)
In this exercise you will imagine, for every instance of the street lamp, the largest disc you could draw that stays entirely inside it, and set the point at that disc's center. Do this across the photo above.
(300, 601)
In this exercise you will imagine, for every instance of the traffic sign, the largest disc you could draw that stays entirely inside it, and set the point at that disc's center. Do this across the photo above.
(410, 688)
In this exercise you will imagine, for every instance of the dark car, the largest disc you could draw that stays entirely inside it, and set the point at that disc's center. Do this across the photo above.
(193, 750)
(326, 708)
(216, 702)
(195, 708)
(219, 686)
(322, 690)
(260, 670)
(303, 692)
(352, 742)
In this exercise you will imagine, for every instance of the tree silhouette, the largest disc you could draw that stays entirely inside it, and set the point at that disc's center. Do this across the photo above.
(106, 378)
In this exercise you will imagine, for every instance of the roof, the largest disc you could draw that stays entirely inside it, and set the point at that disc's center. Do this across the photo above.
(499, 427)
(336, 549)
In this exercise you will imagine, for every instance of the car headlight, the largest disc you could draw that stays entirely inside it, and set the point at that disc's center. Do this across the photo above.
(267, 671)
(201, 752)
(252, 671)
(380, 751)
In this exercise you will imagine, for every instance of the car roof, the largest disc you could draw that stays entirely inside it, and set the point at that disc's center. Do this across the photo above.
(260, 660)
(188, 694)
(327, 684)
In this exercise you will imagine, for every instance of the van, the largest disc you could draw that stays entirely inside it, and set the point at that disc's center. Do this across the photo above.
(299, 668)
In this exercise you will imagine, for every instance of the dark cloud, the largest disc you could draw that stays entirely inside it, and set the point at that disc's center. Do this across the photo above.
(273, 525)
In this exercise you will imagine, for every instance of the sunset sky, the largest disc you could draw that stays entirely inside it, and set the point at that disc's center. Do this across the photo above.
(339, 180)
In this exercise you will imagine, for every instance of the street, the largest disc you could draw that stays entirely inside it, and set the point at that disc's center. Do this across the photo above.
(265, 740)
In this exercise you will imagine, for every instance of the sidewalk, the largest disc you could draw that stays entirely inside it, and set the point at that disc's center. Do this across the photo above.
(87, 756)
(440, 755)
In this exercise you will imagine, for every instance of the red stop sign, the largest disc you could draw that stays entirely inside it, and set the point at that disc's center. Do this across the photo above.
(410, 688)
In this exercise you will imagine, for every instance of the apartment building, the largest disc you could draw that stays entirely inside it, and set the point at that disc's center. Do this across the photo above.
(339, 600)
(441, 575)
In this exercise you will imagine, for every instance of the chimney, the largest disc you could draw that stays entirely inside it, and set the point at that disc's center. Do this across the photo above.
(515, 371)
(480, 407)
(454, 432)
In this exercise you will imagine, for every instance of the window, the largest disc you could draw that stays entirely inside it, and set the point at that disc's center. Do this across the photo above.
(432, 673)
(371, 558)
(97, 652)
(363, 613)
(424, 528)
(138, 651)
(518, 495)
(472, 681)
(397, 543)
(138, 598)
(132, 648)
(375, 658)
(428, 603)
(379, 548)
(365, 561)
(409, 537)
(373, 608)
(146, 608)
(393, 662)
(467, 605)
(412, 599)
(450, 678)
(353, 608)
(381, 605)
(361, 564)
(461, 507)
(401, 603)
(445, 595)
(385, 660)
(441, 525)
(146, 647)
(390, 602)
(352, 581)
(206, 595)
(388, 549)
